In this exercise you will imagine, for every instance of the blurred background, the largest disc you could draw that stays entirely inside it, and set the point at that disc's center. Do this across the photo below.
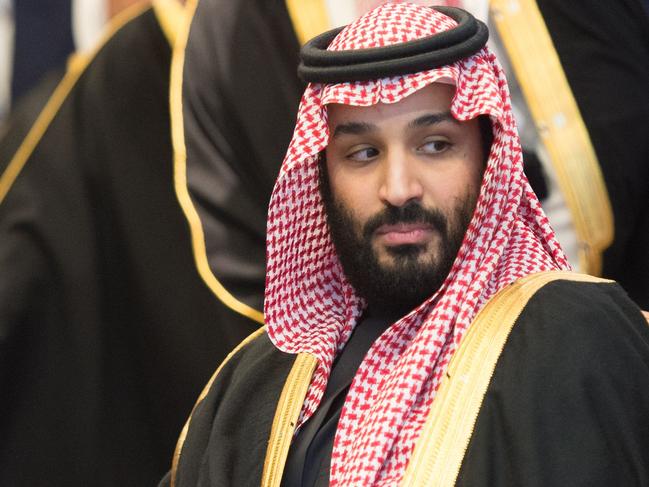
(37, 36)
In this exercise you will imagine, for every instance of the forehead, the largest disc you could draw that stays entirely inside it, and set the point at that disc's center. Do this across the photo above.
(434, 98)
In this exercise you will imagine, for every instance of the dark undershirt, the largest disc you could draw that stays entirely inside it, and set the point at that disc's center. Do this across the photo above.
(309, 458)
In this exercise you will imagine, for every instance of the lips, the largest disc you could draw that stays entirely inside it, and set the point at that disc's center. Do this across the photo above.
(404, 233)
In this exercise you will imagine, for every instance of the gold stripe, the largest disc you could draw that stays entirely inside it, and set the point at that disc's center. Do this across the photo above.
(76, 67)
(170, 15)
(204, 392)
(558, 120)
(286, 416)
(180, 174)
(309, 17)
(445, 436)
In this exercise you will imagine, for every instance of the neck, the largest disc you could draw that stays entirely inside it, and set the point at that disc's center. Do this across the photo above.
(382, 313)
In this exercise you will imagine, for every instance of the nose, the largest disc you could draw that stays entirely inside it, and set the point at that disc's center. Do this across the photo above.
(400, 181)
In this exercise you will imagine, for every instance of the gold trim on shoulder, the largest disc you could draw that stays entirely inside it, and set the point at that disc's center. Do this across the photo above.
(445, 436)
(206, 389)
(309, 18)
(560, 125)
(286, 416)
(170, 14)
(76, 66)
(180, 174)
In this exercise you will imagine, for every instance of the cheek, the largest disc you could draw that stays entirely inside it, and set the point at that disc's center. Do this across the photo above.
(354, 191)
(444, 189)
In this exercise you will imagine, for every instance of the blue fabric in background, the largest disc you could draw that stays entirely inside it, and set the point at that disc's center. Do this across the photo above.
(42, 41)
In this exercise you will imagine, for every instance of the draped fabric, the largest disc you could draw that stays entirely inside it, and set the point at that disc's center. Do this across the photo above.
(237, 126)
(311, 308)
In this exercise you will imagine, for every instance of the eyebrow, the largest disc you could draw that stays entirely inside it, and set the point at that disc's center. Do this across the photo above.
(354, 128)
(360, 128)
(432, 119)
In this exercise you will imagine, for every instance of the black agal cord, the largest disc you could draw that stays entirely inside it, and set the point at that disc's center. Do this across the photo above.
(321, 66)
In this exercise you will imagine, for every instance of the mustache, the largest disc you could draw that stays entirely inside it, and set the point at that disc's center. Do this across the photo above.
(412, 212)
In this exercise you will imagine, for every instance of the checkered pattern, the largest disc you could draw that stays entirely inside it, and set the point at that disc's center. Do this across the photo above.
(309, 305)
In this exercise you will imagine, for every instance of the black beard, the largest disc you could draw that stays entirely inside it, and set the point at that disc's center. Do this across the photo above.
(396, 289)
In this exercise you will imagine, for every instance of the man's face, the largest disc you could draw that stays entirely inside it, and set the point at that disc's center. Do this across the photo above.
(400, 187)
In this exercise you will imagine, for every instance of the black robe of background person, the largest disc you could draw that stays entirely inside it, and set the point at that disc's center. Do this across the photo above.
(107, 333)
(23, 115)
(240, 99)
(567, 404)
(604, 51)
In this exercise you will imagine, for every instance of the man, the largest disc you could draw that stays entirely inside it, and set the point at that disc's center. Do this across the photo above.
(422, 324)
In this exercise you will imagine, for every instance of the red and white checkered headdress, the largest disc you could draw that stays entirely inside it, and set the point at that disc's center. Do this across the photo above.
(310, 307)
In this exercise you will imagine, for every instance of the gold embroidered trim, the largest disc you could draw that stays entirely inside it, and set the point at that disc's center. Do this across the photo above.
(76, 66)
(560, 126)
(204, 392)
(286, 416)
(170, 15)
(309, 17)
(180, 175)
(445, 436)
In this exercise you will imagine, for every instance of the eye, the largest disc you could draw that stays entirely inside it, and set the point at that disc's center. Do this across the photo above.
(364, 154)
(434, 147)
